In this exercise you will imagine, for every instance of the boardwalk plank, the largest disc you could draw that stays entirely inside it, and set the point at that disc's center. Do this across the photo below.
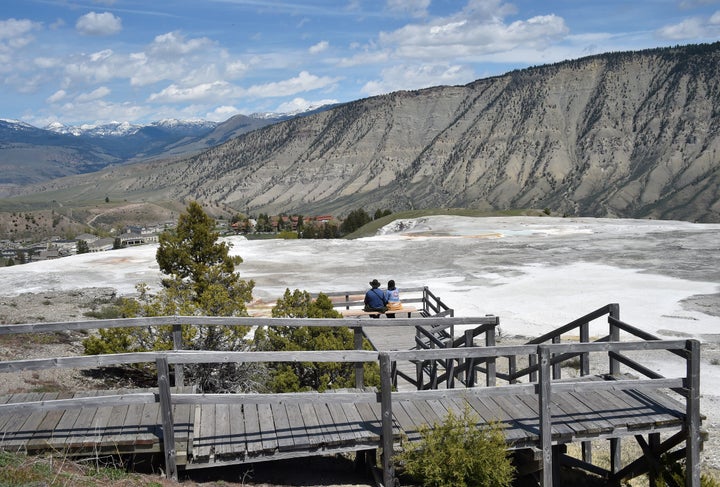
(325, 421)
(355, 422)
(20, 430)
(524, 418)
(315, 434)
(370, 418)
(582, 420)
(296, 424)
(222, 436)
(267, 428)
(253, 438)
(42, 436)
(340, 421)
(129, 430)
(83, 423)
(148, 432)
(282, 427)
(205, 436)
(237, 430)
(427, 413)
(404, 421)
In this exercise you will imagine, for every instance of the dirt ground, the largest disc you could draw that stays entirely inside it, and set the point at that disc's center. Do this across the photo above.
(337, 471)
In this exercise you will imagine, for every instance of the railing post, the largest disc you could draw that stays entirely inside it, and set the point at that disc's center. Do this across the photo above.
(168, 427)
(614, 366)
(419, 365)
(425, 299)
(491, 377)
(556, 369)
(387, 419)
(545, 415)
(586, 446)
(450, 367)
(532, 361)
(178, 345)
(470, 374)
(359, 370)
(614, 311)
(585, 356)
(692, 415)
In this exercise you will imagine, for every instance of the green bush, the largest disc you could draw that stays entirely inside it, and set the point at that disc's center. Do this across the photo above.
(676, 471)
(307, 376)
(459, 453)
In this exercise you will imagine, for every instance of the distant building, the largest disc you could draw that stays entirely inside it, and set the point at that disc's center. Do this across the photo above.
(102, 245)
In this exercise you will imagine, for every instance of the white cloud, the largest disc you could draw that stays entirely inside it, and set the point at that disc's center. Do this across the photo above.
(99, 24)
(59, 95)
(217, 90)
(14, 35)
(235, 69)
(13, 28)
(692, 28)
(469, 37)
(222, 113)
(174, 43)
(47, 62)
(415, 8)
(96, 94)
(96, 67)
(302, 82)
(402, 77)
(319, 47)
(301, 105)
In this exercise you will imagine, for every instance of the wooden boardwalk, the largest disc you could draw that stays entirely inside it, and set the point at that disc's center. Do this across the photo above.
(538, 409)
(215, 434)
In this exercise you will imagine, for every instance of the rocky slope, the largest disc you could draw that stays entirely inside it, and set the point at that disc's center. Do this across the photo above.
(623, 134)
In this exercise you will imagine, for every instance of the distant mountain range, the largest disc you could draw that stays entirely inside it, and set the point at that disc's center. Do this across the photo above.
(30, 155)
(634, 134)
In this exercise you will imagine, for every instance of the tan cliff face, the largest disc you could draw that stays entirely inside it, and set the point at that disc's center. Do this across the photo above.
(624, 134)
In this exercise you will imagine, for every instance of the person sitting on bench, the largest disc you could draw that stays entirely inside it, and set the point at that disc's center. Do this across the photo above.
(392, 296)
(375, 299)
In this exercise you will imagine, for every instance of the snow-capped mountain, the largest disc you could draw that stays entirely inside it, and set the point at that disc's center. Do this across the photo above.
(30, 155)
(123, 129)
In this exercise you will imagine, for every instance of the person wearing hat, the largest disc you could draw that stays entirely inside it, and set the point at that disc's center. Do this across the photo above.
(375, 299)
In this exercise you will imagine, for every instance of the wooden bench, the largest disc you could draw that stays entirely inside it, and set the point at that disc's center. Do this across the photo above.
(360, 312)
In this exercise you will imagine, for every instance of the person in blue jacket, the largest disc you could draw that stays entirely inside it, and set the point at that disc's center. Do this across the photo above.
(392, 296)
(375, 299)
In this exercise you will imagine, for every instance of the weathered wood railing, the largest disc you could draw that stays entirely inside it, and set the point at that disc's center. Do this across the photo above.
(687, 385)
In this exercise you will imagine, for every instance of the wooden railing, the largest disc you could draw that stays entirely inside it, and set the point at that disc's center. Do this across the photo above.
(545, 356)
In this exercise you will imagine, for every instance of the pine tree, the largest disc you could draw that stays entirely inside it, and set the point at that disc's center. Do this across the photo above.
(200, 281)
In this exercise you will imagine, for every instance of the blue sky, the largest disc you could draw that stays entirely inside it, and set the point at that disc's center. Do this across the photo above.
(95, 61)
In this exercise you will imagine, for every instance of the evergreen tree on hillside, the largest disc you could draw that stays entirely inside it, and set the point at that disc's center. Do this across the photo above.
(354, 220)
(200, 281)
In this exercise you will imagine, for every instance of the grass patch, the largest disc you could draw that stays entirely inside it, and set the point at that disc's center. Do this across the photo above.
(17, 469)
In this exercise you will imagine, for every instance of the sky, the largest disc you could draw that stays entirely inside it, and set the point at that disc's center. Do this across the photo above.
(97, 61)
